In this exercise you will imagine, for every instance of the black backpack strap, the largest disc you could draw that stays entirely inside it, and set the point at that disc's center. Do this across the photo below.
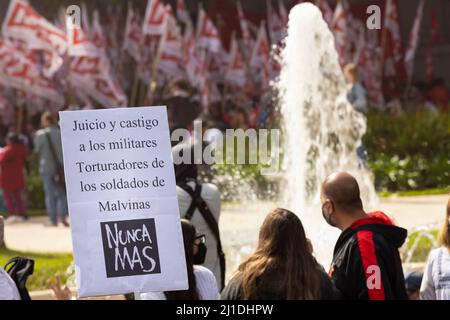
(202, 206)
(19, 269)
(194, 195)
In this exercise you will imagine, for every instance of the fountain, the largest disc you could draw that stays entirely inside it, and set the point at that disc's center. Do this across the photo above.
(321, 129)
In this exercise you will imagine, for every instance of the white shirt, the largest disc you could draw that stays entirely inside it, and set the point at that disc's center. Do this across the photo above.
(211, 195)
(8, 289)
(206, 287)
(436, 278)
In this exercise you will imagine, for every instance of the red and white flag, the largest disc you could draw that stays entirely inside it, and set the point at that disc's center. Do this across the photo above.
(170, 53)
(236, 74)
(277, 28)
(85, 23)
(80, 45)
(370, 73)
(154, 18)
(149, 48)
(356, 33)
(413, 41)
(92, 72)
(392, 24)
(182, 12)
(87, 75)
(207, 34)
(133, 35)
(204, 81)
(217, 68)
(393, 52)
(261, 52)
(23, 23)
(326, 11)
(284, 16)
(208, 90)
(112, 36)
(434, 41)
(246, 34)
(190, 55)
(19, 72)
(98, 38)
(260, 59)
(341, 32)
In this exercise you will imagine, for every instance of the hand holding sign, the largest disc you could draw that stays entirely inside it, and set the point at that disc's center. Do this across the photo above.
(122, 201)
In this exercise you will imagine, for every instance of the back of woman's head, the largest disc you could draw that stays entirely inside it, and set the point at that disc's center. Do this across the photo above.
(283, 256)
(444, 235)
(281, 233)
(189, 234)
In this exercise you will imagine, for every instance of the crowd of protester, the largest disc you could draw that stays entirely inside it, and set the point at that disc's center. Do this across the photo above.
(283, 265)
(366, 263)
(45, 141)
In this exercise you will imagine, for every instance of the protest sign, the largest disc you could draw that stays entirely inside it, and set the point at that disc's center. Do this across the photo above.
(123, 204)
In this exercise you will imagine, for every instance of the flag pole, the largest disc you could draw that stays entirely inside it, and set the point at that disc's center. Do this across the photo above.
(134, 89)
(20, 111)
(383, 51)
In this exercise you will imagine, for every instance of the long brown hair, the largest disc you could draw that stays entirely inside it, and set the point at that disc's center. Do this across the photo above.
(282, 264)
(444, 234)
(189, 234)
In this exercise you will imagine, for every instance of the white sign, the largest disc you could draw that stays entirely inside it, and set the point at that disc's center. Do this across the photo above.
(123, 205)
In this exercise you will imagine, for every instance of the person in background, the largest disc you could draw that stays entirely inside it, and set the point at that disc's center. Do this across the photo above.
(282, 267)
(356, 95)
(366, 262)
(47, 139)
(202, 283)
(181, 110)
(12, 178)
(436, 278)
(200, 203)
(413, 281)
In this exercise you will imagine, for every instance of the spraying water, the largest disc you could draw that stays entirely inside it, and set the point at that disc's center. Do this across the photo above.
(321, 129)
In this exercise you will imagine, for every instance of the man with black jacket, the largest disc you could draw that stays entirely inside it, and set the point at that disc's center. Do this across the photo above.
(366, 262)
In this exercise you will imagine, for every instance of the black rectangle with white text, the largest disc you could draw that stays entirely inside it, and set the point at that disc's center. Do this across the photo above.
(130, 248)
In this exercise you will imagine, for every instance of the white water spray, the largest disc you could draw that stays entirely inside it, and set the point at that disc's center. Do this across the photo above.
(321, 129)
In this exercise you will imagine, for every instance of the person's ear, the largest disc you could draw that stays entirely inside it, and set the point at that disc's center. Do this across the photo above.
(330, 207)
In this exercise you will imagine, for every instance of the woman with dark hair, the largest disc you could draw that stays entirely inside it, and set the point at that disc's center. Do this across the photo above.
(436, 278)
(202, 283)
(282, 267)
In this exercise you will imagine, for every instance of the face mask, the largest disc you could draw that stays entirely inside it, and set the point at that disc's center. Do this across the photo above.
(327, 216)
(200, 257)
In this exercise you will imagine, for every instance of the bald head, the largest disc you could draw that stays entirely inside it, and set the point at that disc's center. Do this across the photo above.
(343, 190)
